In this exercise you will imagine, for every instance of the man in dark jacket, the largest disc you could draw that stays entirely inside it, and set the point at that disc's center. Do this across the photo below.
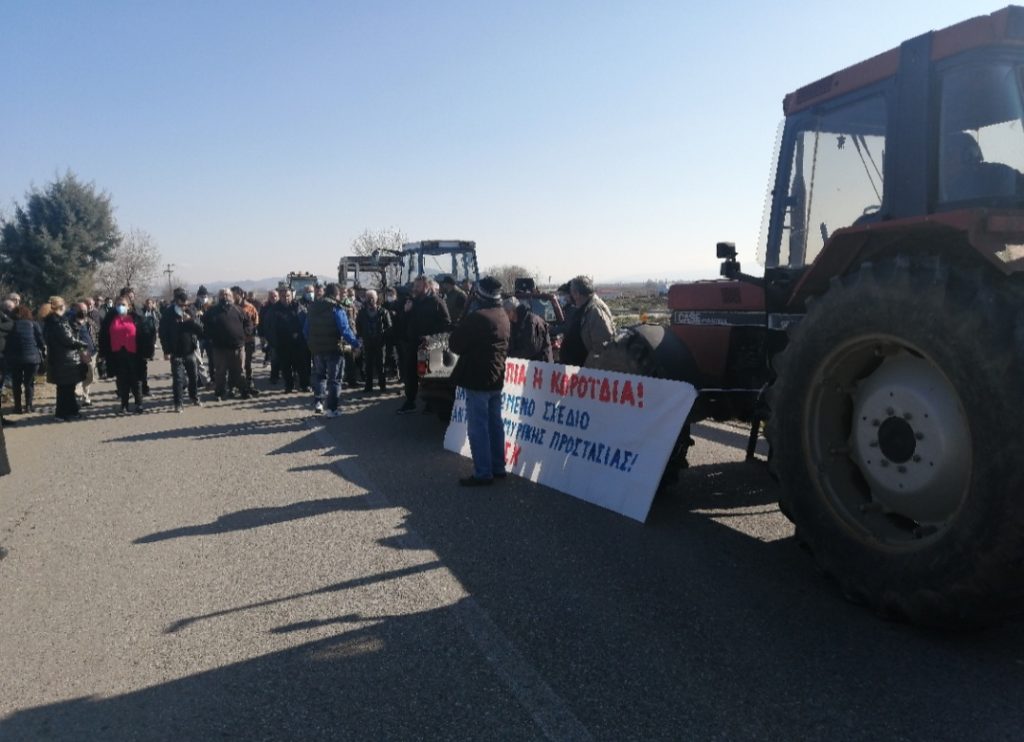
(481, 340)
(327, 332)
(454, 298)
(226, 327)
(424, 314)
(266, 333)
(293, 353)
(530, 338)
(180, 330)
(373, 325)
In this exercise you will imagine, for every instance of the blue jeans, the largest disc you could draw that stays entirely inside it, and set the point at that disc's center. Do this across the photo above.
(486, 433)
(327, 371)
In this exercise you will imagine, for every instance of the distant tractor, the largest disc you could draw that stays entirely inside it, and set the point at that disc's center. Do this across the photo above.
(884, 341)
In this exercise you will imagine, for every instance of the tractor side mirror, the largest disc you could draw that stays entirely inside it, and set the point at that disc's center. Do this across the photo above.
(727, 254)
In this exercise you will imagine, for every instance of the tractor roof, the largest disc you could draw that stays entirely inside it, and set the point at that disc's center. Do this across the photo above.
(1004, 27)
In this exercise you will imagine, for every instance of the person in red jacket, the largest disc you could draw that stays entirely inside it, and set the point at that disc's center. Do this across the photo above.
(481, 341)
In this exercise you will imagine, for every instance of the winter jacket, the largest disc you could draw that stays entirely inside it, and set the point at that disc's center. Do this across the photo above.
(62, 351)
(596, 326)
(253, 315)
(428, 316)
(25, 344)
(455, 300)
(530, 338)
(481, 340)
(147, 330)
(589, 327)
(326, 325)
(226, 326)
(265, 329)
(83, 331)
(287, 321)
(6, 325)
(179, 335)
(373, 327)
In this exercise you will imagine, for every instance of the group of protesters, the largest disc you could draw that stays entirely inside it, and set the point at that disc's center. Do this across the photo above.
(314, 341)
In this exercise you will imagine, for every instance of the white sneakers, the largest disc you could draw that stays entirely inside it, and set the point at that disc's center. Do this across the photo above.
(318, 408)
(332, 413)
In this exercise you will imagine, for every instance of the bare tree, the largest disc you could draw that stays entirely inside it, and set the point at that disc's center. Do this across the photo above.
(135, 263)
(508, 274)
(382, 239)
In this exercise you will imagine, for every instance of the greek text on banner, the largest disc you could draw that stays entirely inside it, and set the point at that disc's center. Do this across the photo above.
(602, 436)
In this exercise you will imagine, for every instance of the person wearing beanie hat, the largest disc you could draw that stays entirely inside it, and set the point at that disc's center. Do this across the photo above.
(481, 340)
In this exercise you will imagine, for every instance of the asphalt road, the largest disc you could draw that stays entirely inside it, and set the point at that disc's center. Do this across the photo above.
(246, 571)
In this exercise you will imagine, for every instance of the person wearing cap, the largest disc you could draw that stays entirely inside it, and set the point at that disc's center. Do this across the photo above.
(454, 298)
(591, 325)
(481, 341)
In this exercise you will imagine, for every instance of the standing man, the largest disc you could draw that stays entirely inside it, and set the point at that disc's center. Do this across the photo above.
(179, 337)
(226, 328)
(292, 351)
(481, 340)
(424, 314)
(373, 325)
(591, 325)
(265, 331)
(328, 333)
(253, 315)
(454, 298)
(393, 339)
(83, 328)
(530, 338)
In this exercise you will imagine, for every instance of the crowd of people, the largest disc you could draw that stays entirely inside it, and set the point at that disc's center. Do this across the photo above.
(315, 342)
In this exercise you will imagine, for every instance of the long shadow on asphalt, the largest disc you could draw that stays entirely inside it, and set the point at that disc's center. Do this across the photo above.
(686, 627)
(255, 517)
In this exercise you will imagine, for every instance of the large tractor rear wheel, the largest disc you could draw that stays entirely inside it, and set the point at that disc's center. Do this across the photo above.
(896, 434)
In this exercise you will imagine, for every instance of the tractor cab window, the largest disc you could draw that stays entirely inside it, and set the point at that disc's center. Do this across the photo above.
(835, 176)
(981, 138)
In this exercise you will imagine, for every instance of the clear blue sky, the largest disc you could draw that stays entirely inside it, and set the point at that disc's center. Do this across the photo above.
(253, 138)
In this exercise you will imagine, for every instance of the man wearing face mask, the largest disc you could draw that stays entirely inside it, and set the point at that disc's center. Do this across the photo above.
(83, 327)
(180, 330)
(226, 326)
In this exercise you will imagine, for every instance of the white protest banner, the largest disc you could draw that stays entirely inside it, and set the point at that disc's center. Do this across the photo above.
(602, 436)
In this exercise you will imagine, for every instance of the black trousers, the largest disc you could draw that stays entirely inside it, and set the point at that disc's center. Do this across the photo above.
(410, 379)
(67, 404)
(127, 373)
(295, 362)
(373, 363)
(23, 376)
(184, 375)
(250, 351)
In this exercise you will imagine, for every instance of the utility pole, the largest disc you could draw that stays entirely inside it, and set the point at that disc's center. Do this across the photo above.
(169, 270)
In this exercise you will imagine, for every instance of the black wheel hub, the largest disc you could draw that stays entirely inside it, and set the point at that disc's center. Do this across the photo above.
(896, 440)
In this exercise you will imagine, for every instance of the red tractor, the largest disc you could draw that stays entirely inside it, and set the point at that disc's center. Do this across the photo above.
(884, 341)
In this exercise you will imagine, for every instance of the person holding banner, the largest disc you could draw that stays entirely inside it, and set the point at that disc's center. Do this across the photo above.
(481, 341)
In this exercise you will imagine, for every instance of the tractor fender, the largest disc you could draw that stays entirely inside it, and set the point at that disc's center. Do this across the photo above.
(648, 350)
